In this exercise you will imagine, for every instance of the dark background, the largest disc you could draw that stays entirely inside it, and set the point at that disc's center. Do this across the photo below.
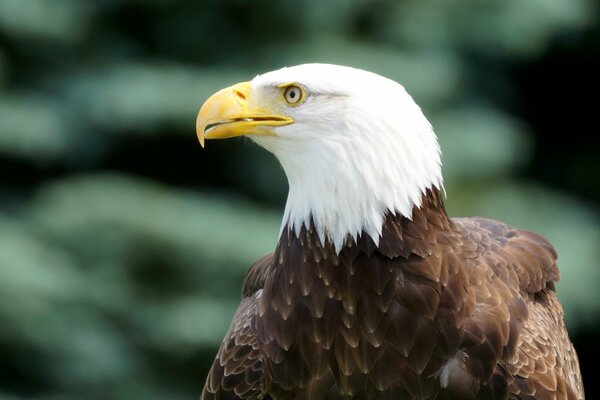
(123, 244)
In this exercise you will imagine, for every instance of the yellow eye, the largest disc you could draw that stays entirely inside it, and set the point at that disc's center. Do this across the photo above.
(293, 94)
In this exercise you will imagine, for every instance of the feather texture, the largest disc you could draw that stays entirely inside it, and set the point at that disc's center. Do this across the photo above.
(440, 308)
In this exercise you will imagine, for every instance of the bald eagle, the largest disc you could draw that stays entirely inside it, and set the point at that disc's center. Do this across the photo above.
(373, 291)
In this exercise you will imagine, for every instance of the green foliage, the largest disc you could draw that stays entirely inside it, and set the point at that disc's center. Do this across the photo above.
(47, 20)
(99, 269)
(43, 137)
(115, 285)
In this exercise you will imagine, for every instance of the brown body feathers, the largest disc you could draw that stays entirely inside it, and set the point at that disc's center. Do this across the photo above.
(440, 309)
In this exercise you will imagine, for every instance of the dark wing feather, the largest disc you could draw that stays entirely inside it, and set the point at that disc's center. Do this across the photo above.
(237, 372)
(517, 329)
(257, 274)
(522, 259)
(545, 365)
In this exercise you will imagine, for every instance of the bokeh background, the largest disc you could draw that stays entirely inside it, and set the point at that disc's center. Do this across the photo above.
(123, 244)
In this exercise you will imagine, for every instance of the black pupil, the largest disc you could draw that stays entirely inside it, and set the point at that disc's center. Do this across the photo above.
(292, 93)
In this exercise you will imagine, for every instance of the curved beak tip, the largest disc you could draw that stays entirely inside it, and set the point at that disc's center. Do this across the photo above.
(200, 130)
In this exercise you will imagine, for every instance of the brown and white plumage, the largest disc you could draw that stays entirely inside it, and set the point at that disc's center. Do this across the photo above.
(373, 292)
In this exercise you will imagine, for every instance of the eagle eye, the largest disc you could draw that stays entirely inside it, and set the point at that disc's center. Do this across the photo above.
(293, 94)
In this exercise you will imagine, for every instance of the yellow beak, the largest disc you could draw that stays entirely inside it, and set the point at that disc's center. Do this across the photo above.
(233, 112)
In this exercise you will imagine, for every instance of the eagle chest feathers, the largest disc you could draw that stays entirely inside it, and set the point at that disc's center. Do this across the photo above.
(365, 323)
(373, 292)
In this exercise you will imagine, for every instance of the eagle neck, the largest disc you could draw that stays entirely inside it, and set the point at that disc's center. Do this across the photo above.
(400, 236)
(340, 186)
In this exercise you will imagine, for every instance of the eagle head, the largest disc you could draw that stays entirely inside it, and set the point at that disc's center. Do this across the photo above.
(353, 144)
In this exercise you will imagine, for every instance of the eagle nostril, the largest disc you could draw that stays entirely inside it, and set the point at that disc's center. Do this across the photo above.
(239, 95)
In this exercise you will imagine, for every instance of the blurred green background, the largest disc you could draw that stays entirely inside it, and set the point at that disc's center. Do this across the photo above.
(117, 275)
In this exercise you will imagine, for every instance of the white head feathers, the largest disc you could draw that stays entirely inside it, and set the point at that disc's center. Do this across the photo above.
(359, 148)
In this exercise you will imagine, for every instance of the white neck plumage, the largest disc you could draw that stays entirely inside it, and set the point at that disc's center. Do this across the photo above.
(358, 174)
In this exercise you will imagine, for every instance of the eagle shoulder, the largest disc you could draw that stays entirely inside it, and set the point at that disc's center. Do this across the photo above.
(257, 274)
(519, 258)
(515, 337)
(237, 371)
